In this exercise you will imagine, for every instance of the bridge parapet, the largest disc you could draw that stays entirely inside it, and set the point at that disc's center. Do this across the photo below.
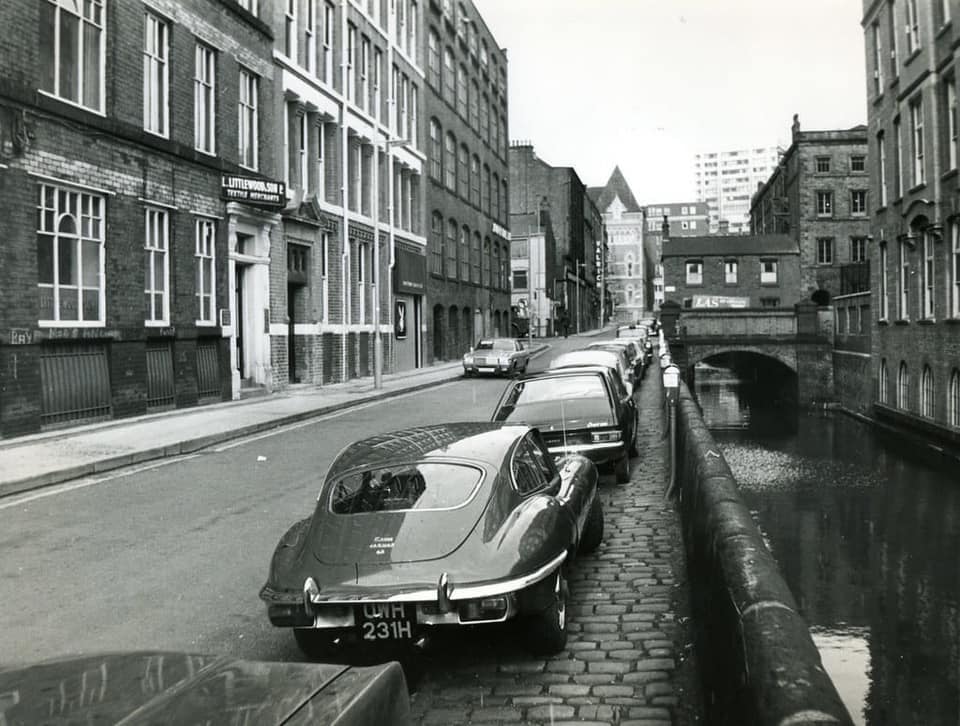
(738, 322)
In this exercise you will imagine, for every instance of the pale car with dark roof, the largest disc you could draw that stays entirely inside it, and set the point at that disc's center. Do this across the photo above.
(464, 524)
(497, 356)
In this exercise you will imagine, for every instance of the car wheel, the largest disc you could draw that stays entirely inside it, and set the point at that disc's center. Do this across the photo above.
(315, 644)
(622, 469)
(593, 528)
(547, 632)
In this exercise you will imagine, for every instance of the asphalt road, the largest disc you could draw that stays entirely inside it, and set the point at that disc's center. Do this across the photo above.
(171, 555)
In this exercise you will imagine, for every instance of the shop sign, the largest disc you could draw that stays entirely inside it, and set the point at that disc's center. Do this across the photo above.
(253, 190)
(409, 272)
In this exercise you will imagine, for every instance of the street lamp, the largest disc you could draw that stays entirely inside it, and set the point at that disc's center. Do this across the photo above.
(377, 337)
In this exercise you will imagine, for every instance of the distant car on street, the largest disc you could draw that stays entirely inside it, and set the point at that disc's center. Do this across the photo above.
(185, 688)
(584, 410)
(609, 358)
(498, 356)
(629, 348)
(462, 524)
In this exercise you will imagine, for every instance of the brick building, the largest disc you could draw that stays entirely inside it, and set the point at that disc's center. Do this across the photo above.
(818, 195)
(758, 271)
(912, 71)
(627, 269)
(349, 95)
(467, 197)
(662, 221)
(577, 225)
(138, 177)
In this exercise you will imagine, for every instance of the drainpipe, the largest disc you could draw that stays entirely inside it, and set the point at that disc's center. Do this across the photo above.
(344, 189)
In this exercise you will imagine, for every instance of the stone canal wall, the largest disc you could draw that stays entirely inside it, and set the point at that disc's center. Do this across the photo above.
(758, 662)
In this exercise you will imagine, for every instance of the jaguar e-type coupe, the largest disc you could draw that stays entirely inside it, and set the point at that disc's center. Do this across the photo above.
(463, 524)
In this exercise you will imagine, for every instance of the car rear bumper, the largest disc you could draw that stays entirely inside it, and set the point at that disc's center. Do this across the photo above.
(338, 609)
(599, 453)
(498, 370)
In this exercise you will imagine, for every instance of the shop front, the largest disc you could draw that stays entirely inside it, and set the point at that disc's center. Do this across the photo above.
(409, 284)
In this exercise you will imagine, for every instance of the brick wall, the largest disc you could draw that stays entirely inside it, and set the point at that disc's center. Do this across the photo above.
(748, 279)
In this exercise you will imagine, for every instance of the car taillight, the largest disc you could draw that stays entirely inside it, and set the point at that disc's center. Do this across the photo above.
(488, 608)
(600, 437)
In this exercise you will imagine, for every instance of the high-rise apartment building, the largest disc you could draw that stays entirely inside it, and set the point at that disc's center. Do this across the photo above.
(726, 180)
(467, 191)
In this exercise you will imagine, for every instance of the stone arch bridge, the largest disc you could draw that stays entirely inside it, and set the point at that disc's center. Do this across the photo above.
(800, 338)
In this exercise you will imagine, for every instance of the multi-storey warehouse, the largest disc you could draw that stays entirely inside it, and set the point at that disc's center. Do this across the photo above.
(467, 194)
(912, 70)
(140, 204)
(349, 295)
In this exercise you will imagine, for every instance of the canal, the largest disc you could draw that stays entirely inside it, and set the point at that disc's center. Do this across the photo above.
(868, 540)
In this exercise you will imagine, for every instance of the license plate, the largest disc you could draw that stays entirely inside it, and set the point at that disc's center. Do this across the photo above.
(386, 621)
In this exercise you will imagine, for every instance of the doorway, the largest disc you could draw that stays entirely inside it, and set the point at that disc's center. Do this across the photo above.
(239, 323)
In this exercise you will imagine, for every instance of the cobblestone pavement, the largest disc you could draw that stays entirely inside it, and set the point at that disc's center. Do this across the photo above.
(628, 659)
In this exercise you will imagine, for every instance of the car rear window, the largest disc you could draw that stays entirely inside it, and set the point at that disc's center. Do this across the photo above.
(420, 486)
(562, 397)
(497, 344)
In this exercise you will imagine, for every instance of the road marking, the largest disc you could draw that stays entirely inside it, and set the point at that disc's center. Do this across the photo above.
(316, 419)
(89, 481)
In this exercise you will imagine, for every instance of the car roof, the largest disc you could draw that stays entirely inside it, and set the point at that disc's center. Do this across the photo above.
(578, 357)
(482, 441)
(598, 370)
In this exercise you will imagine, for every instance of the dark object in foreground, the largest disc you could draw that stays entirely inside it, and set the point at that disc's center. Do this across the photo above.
(466, 524)
(182, 688)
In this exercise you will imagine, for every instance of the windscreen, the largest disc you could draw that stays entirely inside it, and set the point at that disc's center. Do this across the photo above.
(405, 487)
(496, 344)
(564, 399)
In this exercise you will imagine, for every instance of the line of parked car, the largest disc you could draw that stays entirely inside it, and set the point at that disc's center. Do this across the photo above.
(415, 531)
(465, 524)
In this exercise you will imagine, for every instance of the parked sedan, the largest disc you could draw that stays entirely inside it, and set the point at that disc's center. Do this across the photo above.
(585, 410)
(611, 359)
(500, 356)
(465, 524)
(632, 351)
(185, 688)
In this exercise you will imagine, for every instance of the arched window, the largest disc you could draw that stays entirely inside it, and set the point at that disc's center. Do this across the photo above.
(953, 400)
(436, 150)
(488, 263)
(452, 249)
(436, 244)
(926, 392)
(903, 387)
(449, 77)
(433, 59)
(465, 253)
(475, 274)
(630, 264)
(882, 383)
(463, 173)
(450, 162)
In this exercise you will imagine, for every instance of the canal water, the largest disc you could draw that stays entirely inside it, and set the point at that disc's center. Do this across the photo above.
(868, 541)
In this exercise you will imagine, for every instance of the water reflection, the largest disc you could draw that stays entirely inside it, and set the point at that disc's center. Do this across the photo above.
(867, 540)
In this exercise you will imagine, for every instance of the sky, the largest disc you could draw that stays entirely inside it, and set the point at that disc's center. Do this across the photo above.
(648, 84)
